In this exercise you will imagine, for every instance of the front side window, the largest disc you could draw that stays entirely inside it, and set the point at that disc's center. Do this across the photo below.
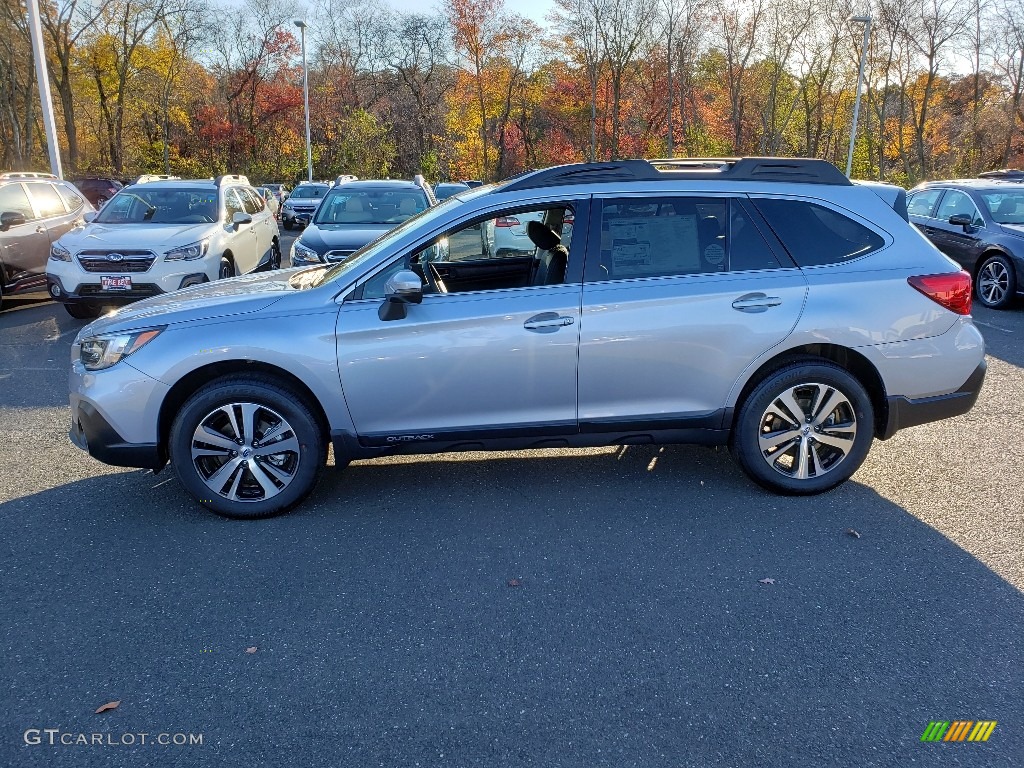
(180, 205)
(1006, 207)
(517, 249)
(815, 235)
(251, 203)
(70, 195)
(957, 203)
(47, 201)
(14, 200)
(232, 203)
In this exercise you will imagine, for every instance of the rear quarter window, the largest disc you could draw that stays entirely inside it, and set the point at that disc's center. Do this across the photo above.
(816, 235)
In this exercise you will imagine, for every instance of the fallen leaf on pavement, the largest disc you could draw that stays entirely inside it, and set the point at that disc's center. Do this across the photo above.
(766, 581)
(253, 649)
(515, 583)
(852, 532)
(108, 706)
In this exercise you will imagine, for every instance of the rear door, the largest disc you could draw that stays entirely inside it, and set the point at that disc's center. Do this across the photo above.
(681, 293)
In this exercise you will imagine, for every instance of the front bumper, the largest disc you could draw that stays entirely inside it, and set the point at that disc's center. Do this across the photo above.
(904, 412)
(88, 290)
(93, 433)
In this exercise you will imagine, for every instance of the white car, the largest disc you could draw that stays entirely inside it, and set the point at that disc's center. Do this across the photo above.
(509, 233)
(157, 237)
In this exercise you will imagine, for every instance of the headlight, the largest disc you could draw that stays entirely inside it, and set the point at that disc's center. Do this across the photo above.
(189, 252)
(99, 352)
(302, 254)
(59, 252)
(287, 205)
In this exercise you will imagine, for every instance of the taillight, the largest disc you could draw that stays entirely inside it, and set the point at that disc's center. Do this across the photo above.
(953, 290)
(506, 221)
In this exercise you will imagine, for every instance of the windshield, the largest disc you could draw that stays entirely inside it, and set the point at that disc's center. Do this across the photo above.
(370, 206)
(159, 205)
(370, 251)
(309, 192)
(1005, 205)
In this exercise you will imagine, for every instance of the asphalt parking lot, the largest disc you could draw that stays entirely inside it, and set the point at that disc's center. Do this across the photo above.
(636, 630)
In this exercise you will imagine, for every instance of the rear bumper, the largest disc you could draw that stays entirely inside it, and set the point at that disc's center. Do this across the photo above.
(94, 434)
(904, 412)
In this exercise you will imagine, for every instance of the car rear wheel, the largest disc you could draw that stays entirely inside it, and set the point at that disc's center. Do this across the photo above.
(82, 311)
(247, 447)
(805, 429)
(996, 283)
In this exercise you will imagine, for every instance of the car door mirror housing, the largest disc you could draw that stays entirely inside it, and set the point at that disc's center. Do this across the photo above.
(961, 220)
(89, 216)
(402, 289)
(239, 218)
(10, 219)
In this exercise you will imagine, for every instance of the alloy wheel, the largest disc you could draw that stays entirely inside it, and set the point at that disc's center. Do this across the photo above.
(993, 282)
(245, 452)
(807, 431)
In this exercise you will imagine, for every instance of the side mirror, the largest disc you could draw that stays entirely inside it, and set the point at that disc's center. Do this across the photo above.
(239, 218)
(10, 219)
(961, 220)
(89, 216)
(402, 289)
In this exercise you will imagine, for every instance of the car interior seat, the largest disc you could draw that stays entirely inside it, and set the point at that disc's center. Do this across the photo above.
(1007, 207)
(553, 257)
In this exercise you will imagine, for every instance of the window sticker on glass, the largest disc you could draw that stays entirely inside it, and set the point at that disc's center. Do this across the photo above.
(648, 245)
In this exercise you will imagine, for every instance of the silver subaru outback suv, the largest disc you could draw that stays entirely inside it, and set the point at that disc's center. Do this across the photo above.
(766, 304)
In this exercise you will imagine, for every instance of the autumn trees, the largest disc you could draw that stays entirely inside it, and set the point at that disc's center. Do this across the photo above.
(470, 89)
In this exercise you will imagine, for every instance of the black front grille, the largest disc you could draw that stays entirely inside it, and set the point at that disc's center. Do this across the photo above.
(138, 291)
(132, 261)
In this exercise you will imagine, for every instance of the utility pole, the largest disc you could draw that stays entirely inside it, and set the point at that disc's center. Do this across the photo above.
(43, 81)
(866, 21)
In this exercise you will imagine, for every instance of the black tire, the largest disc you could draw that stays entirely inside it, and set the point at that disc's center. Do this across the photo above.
(1, 295)
(226, 269)
(811, 385)
(83, 311)
(275, 255)
(287, 224)
(304, 465)
(996, 284)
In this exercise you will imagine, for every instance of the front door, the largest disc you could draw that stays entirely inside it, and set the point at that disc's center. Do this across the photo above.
(475, 360)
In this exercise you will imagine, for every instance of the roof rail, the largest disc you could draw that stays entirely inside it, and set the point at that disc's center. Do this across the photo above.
(26, 175)
(231, 177)
(791, 169)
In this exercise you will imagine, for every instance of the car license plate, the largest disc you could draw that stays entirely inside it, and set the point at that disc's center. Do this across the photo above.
(116, 283)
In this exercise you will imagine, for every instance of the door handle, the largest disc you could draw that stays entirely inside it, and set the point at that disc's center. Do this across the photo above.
(548, 322)
(40, 230)
(756, 302)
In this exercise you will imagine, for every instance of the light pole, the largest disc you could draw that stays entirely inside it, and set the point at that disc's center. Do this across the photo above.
(43, 78)
(301, 24)
(866, 21)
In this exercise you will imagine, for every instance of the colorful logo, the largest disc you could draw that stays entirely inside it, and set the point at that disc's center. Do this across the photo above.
(958, 730)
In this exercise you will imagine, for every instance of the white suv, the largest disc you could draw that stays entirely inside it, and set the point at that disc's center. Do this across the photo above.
(157, 237)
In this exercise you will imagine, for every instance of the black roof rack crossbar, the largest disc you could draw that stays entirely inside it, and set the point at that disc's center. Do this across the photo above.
(801, 170)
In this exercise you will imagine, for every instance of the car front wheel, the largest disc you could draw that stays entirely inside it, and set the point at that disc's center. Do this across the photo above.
(996, 283)
(247, 447)
(805, 429)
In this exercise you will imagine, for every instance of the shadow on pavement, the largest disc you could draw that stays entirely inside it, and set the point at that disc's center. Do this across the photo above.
(387, 632)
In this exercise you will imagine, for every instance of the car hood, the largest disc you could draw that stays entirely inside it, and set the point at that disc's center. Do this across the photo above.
(344, 237)
(155, 237)
(235, 296)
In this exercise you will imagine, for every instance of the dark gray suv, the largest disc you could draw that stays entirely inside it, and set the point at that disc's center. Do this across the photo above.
(35, 210)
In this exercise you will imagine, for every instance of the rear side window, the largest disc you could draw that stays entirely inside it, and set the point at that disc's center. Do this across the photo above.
(923, 203)
(47, 200)
(659, 237)
(816, 235)
(14, 200)
(72, 199)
